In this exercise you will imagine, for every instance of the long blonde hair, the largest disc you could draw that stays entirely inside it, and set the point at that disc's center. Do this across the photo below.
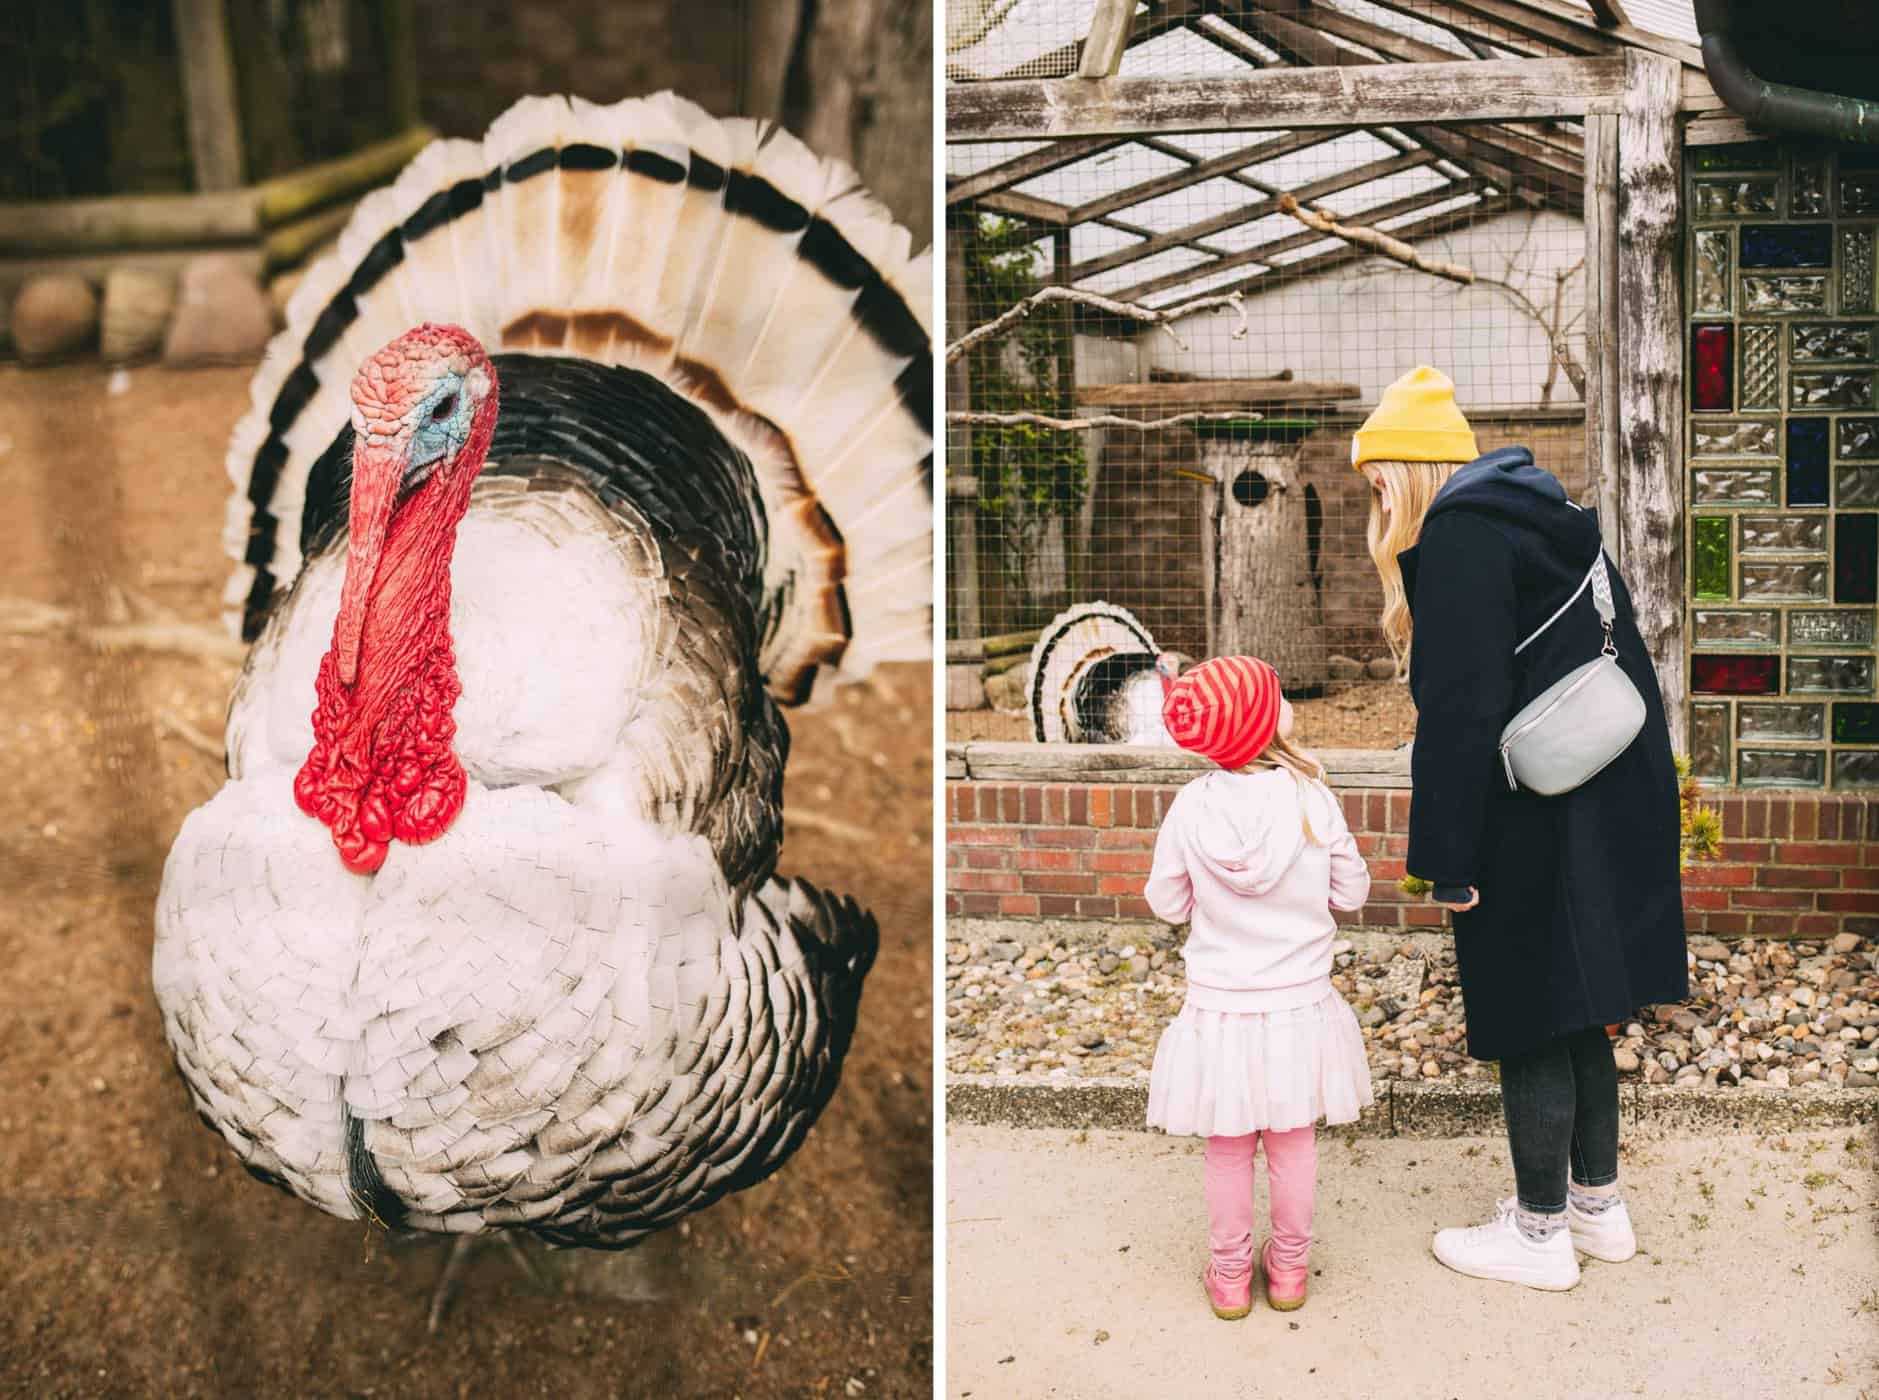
(1410, 487)
(1305, 769)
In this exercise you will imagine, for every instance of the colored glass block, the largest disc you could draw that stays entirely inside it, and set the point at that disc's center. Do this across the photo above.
(1715, 487)
(1712, 272)
(1856, 722)
(1779, 296)
(1784, 534)
(1804, 579)
(1856, 271)
(1709, 743)
(1786, 245)
(1830, 389)
(1856, 559)
(1781, 768)
(1858, 438)
(1712, 361)
(1807, 462)
(1725, 199)
(1856, 486)
(1859, 192)
(1839, 628)
(1856, 769)
(1807, 193)
(1761, 365)
(1710, 561)
(1722, 626)
(1740, 437)
(1713, 674)
(1830, 675)
(1779, 723)
(1831, 340)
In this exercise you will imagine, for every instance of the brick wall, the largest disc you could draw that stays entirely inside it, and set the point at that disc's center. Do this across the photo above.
(1792, 864)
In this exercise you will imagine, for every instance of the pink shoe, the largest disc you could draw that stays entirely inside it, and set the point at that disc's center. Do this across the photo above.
(1230, 1300)
(1285, 1288)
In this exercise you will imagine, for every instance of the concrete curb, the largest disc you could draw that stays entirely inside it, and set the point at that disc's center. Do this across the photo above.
(1405, 1109)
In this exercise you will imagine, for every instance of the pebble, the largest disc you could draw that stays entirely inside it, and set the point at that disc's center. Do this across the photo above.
(1053, 1010)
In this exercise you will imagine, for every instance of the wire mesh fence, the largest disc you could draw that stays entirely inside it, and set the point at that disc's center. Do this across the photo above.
(1192, 469)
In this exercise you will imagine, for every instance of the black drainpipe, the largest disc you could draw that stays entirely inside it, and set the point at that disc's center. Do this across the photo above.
(1776, 104)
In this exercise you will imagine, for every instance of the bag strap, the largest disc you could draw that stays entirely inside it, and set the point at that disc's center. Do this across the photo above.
(1601, 598)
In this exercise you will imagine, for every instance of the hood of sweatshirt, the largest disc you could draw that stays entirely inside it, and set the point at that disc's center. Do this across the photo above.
(1247, 831)
(1506, 485)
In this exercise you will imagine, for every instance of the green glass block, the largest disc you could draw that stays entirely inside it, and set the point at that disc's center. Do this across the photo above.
(1856, 768)
(1855, 722)
(1710, 565)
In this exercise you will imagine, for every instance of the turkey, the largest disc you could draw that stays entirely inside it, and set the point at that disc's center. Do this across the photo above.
(1096, 678)
(591, 446)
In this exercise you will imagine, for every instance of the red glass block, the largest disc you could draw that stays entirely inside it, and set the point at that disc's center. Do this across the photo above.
(1712, 369)
(1735, 675)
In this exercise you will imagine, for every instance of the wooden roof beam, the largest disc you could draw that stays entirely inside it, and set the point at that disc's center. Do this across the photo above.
(1554, 23)
(1432, 227)
(1247, 213)
(1391, 94)
(1053, 155)
(1304, 238)
(1068, 58)
(1255, 154)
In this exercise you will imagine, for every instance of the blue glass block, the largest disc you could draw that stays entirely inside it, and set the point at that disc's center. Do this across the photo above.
(1807, 462)
(1786, 245)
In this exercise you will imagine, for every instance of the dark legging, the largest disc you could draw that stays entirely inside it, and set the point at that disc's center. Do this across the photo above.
(1561, 1101)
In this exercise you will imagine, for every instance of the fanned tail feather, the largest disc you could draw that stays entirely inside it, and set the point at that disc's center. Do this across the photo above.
(755, 278)
(1067, 647)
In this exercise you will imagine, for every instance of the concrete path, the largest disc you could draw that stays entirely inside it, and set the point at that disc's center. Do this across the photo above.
(1073, 1262)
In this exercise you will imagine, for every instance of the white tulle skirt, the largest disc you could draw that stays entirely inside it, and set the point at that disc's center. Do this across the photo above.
(1225, 1073)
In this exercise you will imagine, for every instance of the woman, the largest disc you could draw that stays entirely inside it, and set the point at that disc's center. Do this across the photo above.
(1568, 910)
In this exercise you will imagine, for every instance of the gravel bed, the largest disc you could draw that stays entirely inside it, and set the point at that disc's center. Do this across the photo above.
(1788, 1015)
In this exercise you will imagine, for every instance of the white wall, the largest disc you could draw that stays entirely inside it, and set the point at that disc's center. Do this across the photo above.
(1368, 322)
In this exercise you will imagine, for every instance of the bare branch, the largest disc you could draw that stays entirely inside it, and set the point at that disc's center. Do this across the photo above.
(1103, 420)
(1377, 241)
(1101, 303)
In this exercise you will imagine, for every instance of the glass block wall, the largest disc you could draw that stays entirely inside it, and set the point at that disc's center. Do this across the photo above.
(1783, 458)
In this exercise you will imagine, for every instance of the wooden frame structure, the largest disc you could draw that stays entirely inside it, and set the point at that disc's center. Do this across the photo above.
(1492, 126)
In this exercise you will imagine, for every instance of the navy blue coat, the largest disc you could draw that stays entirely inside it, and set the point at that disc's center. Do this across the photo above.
(1581, 913)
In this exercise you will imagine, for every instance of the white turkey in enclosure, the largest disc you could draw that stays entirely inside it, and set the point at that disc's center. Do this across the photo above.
(484, 931)
(1096, 679)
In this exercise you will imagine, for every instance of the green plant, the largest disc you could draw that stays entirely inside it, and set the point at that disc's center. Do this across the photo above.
(1702, 828)
(1027, 473)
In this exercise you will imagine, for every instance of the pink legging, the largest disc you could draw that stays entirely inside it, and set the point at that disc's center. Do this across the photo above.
(1292, 1180)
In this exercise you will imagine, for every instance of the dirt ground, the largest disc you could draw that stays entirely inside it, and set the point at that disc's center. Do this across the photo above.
(1368, 715)
(140, 1260)
(1074, 1260)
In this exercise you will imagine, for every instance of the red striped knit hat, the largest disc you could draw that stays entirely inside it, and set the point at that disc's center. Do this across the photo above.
(1226, 709)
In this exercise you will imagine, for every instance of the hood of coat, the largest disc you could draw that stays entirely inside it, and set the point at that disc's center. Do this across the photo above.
(1246, 830)
(1507, 485)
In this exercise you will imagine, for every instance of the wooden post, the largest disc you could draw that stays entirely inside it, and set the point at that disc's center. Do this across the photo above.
(208, 73)
(1263, 599)
(1601, 325)
(402, 61)
(962, 533)
(1108, 38)
(1650, 367)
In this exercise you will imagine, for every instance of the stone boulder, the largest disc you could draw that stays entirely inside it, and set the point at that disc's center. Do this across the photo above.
(54, 316)
(1010, 691)
(137, 306)
(222, 316)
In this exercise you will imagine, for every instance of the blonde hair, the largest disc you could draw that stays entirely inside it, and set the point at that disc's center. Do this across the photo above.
(1305, 769)
(1410, 488)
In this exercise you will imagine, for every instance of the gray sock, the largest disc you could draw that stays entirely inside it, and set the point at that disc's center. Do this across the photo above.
(1588, 1202)
(1537, 1227)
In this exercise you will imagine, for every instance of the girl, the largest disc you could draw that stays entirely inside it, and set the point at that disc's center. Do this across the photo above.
(1568, 910)
(1252, 858)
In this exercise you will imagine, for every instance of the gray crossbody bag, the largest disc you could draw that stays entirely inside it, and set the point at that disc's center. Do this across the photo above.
(1576, 726)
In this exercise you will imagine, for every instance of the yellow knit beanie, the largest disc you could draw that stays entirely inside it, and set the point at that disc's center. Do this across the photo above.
(1415, 421)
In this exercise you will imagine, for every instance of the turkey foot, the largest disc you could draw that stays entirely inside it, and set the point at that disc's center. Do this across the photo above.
(460, 1251)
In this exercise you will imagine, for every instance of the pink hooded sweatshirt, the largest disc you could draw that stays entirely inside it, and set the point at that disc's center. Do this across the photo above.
(1231, 859)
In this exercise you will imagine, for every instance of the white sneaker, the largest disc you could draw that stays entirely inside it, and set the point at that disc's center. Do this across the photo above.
(1606, 1236)
(1498, 1250)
